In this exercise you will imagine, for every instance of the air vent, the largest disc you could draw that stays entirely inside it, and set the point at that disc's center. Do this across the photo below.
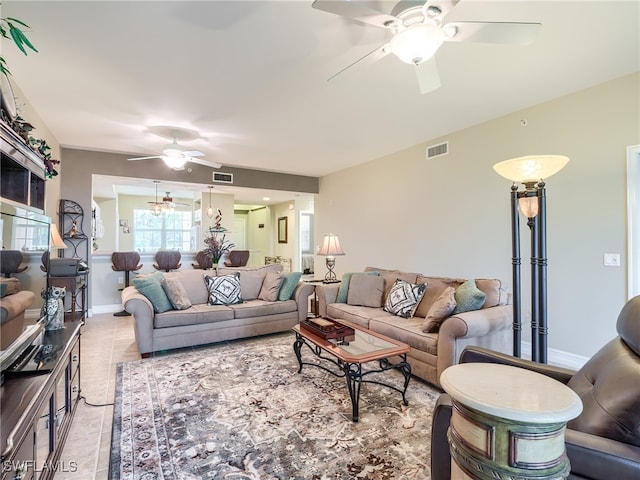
(222, 177)
(437, 150)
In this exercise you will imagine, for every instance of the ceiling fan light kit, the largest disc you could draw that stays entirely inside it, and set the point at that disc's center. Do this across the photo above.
(417, 43)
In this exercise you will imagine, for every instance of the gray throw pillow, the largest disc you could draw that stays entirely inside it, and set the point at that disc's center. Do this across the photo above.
(343, 291)
(440, 309)
(469, 297)
(366, 290)
(176, 293)
(270, 287)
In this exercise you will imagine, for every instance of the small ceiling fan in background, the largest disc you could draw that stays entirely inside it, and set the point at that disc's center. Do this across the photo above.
(418, 32)
(174, 155)
(167, 203)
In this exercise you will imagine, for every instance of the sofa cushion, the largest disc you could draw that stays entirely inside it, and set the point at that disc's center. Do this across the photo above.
(251, 278)
(270, 287)
(224, 290)
(194, 315)
(366, 290)
(150, 286)
(404, 297)
(390, 276)
(441, 309)
(408, 331)
(435, 287)
(343, 291)
(176, 293)
(469, 297)
(290, 281)
(193, 282)
(355, 313)
(260, 308)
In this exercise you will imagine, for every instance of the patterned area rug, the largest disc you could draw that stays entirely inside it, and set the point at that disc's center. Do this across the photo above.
(240, 410)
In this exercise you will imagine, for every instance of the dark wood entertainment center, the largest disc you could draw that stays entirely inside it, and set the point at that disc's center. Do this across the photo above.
(36, 409)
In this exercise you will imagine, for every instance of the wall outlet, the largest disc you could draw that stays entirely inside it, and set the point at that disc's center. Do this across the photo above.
(120, 280)
(611, 259)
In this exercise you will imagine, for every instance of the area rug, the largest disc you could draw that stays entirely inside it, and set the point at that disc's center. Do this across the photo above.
(240, 410)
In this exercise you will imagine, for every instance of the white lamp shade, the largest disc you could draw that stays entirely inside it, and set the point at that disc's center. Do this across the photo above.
(417, 43)
(331, 246)
(56, 239)
(531, 168)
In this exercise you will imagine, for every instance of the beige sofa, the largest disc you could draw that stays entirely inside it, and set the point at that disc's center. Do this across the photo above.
(431, 353)
(202, 323)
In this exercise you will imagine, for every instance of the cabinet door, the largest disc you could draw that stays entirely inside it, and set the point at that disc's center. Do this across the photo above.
(44, 434)
(62, 401)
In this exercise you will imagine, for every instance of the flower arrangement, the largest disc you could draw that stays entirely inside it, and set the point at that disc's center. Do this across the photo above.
(217, 246)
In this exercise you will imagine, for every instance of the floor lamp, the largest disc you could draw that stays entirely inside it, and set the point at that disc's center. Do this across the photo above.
(330, 248)
(530, 171)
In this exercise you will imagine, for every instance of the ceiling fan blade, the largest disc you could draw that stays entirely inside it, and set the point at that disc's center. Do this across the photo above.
(145, 158)
(368, 59)
(428, 76)
(206, 163)
(193, 153)
(493, 32)
(358, 11)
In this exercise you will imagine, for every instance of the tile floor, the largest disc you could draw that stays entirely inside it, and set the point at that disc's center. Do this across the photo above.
(106, 340)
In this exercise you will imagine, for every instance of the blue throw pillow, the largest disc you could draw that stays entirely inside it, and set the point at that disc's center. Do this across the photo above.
(151, 287)
(468, 297)
(343, 291)
(290, 281)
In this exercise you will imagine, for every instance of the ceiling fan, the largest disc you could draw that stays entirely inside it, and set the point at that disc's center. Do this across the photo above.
(418, 32)
(175, 156)
(167, 203)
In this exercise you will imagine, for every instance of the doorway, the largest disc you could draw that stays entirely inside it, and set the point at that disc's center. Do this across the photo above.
(633, 216)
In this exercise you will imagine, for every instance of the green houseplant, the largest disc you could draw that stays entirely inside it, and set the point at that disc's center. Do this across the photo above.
(10, 28)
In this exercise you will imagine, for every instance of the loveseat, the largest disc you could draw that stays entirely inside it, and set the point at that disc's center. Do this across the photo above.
(269, 301)
(439, 325)
(603, 442)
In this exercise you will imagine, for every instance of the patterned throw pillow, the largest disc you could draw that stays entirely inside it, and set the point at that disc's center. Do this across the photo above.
(404, 297)
(469, 297)
(223, 290)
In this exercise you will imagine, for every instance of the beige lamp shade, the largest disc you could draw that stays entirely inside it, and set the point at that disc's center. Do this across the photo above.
(532, 168)
(331, 246)
(56, 239)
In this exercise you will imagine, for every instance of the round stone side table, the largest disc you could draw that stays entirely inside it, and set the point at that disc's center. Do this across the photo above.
(507, 423)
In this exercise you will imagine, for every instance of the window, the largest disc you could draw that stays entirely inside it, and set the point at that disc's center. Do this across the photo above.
(169, 231)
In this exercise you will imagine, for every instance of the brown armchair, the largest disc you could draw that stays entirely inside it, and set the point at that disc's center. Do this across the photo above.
(603, 442)
(167, 260)
(237, 258)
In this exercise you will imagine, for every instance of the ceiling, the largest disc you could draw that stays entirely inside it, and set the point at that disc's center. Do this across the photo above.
(251, 77)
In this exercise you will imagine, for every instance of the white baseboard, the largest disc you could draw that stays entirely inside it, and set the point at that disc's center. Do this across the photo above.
(556, 357)
(116, 307)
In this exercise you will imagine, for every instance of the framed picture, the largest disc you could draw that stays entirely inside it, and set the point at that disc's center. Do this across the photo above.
(282, 230)
(123, 223)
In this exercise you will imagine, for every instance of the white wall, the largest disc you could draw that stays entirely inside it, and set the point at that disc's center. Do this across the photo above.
(450, 215)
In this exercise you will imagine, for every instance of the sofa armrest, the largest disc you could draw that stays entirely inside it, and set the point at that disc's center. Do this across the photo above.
(327, 293)
(301, 296)
(473, 354)
(142, 310)
(488, 327)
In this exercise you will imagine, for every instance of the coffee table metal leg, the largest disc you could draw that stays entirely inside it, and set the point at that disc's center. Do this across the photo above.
(297, 345)
(353, 374)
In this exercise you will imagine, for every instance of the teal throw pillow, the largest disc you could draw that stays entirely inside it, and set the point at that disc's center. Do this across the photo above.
(151, 287)
(469, 297)
(290, 281)
(343, 291)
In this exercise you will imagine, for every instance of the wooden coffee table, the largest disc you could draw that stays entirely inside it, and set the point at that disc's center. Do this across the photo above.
(350, 357)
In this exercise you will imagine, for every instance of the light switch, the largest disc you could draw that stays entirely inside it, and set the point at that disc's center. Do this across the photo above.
(611, 259)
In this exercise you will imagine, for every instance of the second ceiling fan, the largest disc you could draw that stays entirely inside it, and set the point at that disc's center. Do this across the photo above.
(418, 31)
